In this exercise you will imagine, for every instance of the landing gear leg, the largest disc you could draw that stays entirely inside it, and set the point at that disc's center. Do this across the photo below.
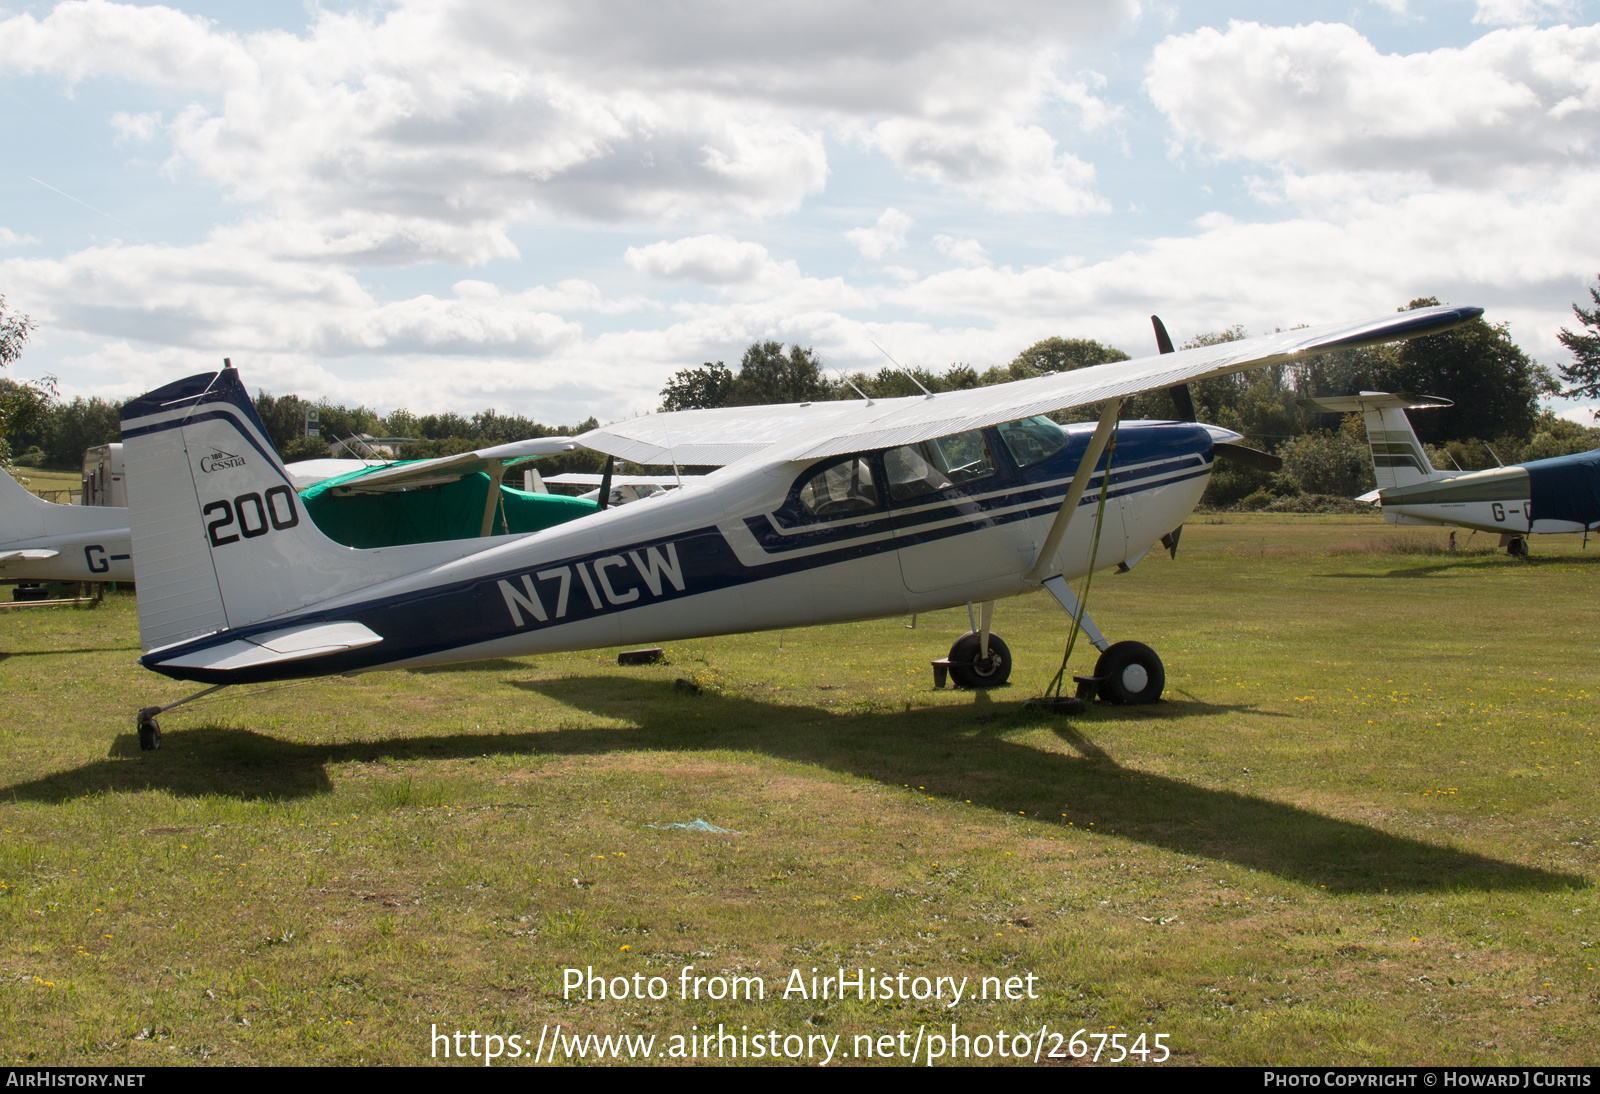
(1128, 672)
(150, 729)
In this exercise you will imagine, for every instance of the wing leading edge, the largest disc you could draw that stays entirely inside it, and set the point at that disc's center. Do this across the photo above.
(800, 431)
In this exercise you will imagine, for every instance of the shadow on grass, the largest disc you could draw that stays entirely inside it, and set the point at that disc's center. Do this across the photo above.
(1475, 565)
(7, 655)
(495, 664)
(962, 754)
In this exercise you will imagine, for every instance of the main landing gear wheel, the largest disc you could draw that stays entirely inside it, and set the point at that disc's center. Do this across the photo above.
(1517, 548)
(1129, 672)
(970, 669)
(149, 729)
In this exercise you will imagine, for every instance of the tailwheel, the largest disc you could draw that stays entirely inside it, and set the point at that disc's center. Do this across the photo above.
(970, 669)
(149, 729)
(1130, 672)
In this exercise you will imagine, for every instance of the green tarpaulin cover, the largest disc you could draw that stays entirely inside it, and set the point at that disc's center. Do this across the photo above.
(452, 511)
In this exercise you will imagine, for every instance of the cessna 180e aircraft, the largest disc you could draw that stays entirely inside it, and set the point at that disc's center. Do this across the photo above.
(1560, 494)
(818, 513)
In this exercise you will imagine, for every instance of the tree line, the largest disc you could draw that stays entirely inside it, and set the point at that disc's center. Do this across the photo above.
(1496, 417)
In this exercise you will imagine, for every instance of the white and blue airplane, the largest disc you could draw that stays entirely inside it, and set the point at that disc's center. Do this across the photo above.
(43, 541)
(817, 513)
(1559, 494)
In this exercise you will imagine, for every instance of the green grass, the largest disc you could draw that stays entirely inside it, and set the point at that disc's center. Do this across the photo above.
(1360, 829)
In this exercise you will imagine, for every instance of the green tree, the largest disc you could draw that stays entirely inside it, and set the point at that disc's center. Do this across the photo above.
(20, 404)
(70, 428)
(1329, 462)
(1495, 385)
(767, 374)
(697, 388)
(1062, 355)
(1583, 375)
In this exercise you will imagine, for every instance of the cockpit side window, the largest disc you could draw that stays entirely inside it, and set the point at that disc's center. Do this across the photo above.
(915, 470)
(1033, 440)
(840, 489)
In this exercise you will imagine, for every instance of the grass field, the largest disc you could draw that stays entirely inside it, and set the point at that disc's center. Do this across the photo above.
(1360, 829)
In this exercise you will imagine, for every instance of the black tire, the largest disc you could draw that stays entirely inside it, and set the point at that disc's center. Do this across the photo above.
(1517, 548)
(969, 669)
(149, 733)
(1130, 672)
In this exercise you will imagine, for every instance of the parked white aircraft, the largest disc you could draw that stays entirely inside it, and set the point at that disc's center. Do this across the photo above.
(1560, 494)
(818, 513)
(43, 541)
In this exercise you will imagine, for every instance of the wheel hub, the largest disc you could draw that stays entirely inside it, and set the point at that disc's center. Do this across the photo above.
(1135, 678)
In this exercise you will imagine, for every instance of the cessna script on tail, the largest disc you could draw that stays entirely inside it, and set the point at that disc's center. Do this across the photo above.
(818, 513)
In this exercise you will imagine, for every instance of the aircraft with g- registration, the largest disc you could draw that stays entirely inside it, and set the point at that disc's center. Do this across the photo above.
(817, 513)
(1540, 497)
(44, 541)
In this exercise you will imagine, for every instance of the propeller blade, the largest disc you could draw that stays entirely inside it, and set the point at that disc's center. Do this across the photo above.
(1183, 401)
(1170, 540)
(605, 482)
(1163, 340)
(1250, 457)
(1180, 394)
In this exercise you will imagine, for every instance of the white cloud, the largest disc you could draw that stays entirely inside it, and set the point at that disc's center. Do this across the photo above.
(1510, 107)
(435, 125)
(968, 252)
(1501, 13)
(8, 238)
(1011, 167)
(136, 127)
(888, 234)
(708, 259)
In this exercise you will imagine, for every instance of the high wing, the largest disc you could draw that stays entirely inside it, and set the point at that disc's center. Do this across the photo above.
(409, 476)
(800, 431)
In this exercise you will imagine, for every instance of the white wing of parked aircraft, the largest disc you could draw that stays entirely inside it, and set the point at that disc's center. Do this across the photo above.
(417, 473)
(823, 513)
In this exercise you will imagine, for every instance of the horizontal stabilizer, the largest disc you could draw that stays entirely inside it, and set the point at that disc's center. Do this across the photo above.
(25, 556)
(1373, 400)
(291, 644)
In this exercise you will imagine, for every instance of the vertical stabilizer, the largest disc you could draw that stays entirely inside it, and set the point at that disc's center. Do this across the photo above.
(1398, 458)
(21, 513)
(220, 537)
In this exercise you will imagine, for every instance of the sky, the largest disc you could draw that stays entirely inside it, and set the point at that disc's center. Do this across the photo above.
(550, 209)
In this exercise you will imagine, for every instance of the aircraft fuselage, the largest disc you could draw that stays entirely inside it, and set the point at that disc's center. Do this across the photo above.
(750, 547)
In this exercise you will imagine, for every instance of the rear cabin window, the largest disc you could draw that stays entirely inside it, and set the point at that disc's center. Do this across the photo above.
(840, 490)
(1032, 440)
(917, 470)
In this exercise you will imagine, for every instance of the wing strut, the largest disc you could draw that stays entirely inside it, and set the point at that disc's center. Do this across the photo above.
(1069, 504)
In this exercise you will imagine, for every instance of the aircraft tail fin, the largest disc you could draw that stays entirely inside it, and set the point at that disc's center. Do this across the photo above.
(1398, 457)
(220, 536)
(21, 512)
